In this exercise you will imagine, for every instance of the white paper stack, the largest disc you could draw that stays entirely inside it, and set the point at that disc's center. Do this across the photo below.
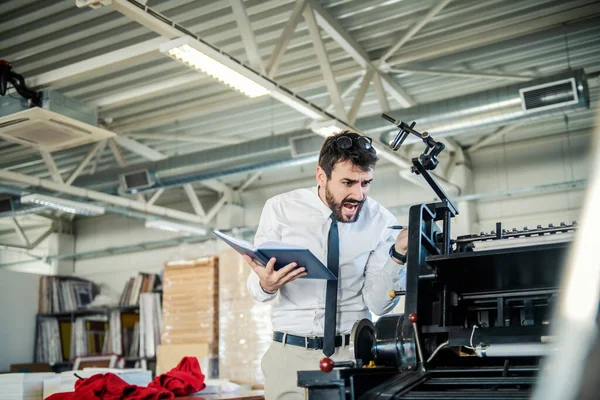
(49, 347)
(150, 324)
(25, 386)
(218, 386)
(65, 381)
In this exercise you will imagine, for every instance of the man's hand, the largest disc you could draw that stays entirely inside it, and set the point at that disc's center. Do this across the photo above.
(402, 242)
(271, 280)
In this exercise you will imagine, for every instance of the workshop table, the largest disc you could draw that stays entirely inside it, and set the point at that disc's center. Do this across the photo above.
(241, 395)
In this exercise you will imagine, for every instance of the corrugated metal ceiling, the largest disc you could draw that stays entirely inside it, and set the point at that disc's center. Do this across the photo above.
(40, 36)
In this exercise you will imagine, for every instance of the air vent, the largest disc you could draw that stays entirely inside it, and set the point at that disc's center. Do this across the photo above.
(134, 181)
(549, 95)
(6, 204)
(44, 129)
(305, 145)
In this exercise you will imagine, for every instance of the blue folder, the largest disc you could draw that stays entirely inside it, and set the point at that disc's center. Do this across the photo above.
(284, 254)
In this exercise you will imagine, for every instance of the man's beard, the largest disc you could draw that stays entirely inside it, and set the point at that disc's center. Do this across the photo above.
(337, 208)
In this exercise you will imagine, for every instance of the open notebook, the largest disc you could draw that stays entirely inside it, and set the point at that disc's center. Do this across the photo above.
(284, 253)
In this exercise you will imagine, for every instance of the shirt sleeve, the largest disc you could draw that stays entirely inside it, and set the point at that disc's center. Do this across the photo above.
(268, 229)
(383, 274)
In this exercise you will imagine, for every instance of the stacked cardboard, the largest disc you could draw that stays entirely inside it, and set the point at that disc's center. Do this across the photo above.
(190, 309)
(245, 325)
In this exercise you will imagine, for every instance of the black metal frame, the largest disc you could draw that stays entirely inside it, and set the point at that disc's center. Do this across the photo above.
(448, 291)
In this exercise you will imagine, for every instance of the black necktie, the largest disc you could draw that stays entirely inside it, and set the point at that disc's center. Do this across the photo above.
(333, 261)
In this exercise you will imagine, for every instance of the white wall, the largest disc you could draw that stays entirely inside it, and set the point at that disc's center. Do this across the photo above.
(112, 231)
(18, 307)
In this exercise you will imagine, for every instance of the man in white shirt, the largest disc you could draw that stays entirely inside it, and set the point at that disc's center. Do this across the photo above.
(350, 233)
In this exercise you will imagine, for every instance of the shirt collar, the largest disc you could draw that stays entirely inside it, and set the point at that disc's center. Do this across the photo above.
(322, 207)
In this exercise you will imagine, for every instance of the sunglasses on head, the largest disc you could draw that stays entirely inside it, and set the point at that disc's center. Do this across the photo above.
(345, 142)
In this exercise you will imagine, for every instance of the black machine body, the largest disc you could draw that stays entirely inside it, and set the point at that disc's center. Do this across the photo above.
(477, 310)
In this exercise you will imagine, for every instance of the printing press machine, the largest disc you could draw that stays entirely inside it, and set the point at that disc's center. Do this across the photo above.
(477, 316)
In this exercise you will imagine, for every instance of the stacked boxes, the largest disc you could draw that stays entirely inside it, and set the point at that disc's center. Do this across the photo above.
(190, 313)
(245, 325)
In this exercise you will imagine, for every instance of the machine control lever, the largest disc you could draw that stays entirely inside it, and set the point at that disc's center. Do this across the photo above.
(327, 364)
(413, 319)
(395, 293)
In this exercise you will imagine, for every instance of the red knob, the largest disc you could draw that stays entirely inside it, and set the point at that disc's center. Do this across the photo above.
(326, 364)
(412, 318)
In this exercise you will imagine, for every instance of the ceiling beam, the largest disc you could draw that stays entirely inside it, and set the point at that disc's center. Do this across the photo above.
(247, 34)
(164, 26)
(194, 200)
(462, 74)
(183, 138)
(20, 232)
(216, 208)
(315, 35)
(439, 48)
(93, 195)
(141, 92)
(79, 70)
(414, 29)
(94, 166)
(381, 94)
(117, 153)
(360, 95)
(156, 195)
(218, 186)
(286, 35)
(51, 165)
(139, 148)
(249, 181)
(343, 38)
(85, 162)
(496, 135)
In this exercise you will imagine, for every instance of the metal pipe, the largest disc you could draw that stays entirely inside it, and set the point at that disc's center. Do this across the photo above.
(514, 350)
(499, 106)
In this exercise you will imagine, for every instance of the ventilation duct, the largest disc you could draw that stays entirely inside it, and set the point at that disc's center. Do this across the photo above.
(494, 107)
(537, 98)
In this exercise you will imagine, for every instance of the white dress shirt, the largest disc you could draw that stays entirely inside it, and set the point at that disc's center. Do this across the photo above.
(366, 271)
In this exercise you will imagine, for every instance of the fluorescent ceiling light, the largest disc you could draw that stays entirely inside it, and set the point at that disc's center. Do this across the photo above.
(186, 230)
(202, 57)
(226, 69)
(69, 206)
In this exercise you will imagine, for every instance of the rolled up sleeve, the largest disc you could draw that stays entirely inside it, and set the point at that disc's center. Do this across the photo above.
(382, 274)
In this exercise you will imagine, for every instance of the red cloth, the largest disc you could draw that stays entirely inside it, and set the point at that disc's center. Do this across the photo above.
(110, 387)
(186, 378)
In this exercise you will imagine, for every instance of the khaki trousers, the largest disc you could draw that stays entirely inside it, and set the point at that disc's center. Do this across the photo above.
(281, 363)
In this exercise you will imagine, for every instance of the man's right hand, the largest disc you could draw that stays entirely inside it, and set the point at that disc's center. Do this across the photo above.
(271, 280)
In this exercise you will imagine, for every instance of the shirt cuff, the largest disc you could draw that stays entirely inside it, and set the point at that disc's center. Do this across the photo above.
(257, 291)
(396, 273)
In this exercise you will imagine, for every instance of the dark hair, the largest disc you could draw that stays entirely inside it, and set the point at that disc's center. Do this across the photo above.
(331, 153)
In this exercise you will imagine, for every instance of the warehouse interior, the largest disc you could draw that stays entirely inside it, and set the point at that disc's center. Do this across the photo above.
(119, 156)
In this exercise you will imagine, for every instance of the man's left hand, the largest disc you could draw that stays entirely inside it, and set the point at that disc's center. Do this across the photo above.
(402, 242)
